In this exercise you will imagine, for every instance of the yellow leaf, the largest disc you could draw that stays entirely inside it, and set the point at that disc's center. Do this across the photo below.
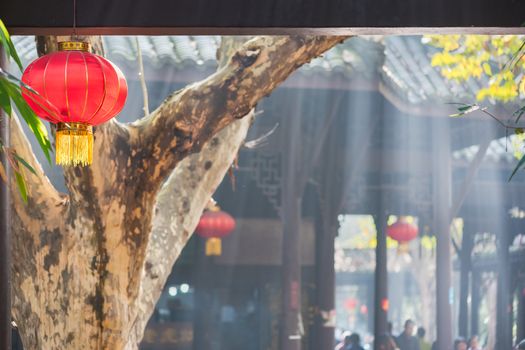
(487, 69)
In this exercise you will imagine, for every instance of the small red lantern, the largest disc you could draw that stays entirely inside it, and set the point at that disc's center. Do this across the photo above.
(363, 309)
(76, 90)
(214, 225)
(402, 231)
(385, 304)
(350, 304)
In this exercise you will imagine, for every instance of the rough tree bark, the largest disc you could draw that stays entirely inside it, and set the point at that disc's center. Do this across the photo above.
(88, 267)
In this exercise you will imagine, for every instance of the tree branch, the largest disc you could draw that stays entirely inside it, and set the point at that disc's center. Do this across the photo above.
(190, 117)
(179, 206)
(180, 203)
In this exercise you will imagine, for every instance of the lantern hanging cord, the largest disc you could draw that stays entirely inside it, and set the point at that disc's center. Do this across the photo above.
(74, 18)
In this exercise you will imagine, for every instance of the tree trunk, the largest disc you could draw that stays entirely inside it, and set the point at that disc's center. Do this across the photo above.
(90, 265)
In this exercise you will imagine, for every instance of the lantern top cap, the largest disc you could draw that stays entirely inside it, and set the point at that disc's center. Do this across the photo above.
(73, 46)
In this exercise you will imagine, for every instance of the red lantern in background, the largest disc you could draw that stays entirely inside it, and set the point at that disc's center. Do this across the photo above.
(402, 231)
(363, 309)
(214, 225)
(76, 90)
(350, 304)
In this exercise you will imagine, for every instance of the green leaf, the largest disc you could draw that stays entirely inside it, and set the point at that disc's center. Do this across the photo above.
(21, 183)
(465, 109)
(5, 40)
(516, 57)
(487, 69)
(518, 166)
(5, 101)
(35, 124)
(24, 163)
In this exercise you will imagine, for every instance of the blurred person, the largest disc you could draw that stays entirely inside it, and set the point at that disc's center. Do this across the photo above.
(460, 344)
(389, 328)
(423, 344)
(473, 343)
(355, 342)
(406, 340)
(345, 343)
(385, 342)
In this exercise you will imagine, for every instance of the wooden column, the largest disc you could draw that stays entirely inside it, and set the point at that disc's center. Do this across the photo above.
(475, 302)
(465, 268)
(330, 191)
(324, 284)
(441, 178)
(5, 242)
(381, 276)
(503, 304)
(520, 331)
(202, 323)
(290, 337)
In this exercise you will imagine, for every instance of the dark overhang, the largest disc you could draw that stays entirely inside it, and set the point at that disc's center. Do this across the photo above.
(152, 17)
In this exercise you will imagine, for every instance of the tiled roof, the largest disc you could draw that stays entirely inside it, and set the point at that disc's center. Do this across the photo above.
(499, 150)
(402, 64)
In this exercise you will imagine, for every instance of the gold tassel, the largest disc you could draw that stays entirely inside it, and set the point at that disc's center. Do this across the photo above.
(74, 144)
(213, 246)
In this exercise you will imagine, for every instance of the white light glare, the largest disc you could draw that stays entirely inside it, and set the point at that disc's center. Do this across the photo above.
(184, 288)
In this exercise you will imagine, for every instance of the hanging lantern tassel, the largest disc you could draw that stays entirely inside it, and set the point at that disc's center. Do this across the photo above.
(74, 144)
(213, 246)
(75, 90)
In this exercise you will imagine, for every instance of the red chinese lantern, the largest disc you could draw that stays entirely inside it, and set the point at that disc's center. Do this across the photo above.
(402, 231)
(76, 90)
(385, 304)
(350, 304)
(363, 309)
(214, 225)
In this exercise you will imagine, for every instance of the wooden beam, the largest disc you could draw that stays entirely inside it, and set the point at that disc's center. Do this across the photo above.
(31, 30)
(328, 17)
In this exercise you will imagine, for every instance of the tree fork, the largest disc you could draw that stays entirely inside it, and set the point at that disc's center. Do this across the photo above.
(86, 261)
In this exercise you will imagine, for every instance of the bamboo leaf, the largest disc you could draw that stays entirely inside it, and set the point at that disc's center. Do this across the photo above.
(21, 183)
(518, 166)
(24, 163)
(5, 40)
(5, 101)
(465, 109)
(35, 124)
